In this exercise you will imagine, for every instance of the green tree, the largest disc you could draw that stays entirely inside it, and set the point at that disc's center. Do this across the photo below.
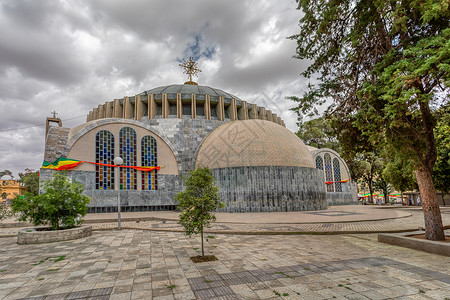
(365, 168)
(319, 133)
(384, 187)
(383, 65)
(198, 201)
(400, 174)
(30, 179)
(61, 204)
(441, 171)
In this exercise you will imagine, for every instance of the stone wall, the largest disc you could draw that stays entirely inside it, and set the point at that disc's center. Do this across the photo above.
(33, 236)
(184, 136)
(348, 195)
(55, 141)
(263, 189)
(168, 186)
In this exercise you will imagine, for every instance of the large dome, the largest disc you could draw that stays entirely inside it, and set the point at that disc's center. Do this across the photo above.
(190, 89)
(253, 143)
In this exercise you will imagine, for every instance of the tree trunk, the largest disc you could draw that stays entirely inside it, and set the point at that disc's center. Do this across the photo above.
(369, 183)
(432, 214)
(203, 251)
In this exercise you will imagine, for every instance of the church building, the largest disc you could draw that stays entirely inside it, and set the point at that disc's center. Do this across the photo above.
(165, 132)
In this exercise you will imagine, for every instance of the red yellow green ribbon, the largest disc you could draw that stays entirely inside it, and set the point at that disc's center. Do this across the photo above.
(63, 163)
(330, 182)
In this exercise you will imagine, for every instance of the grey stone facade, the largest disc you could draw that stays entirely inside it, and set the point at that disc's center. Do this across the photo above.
(183, 136)
(264, 189)
(243, 189)
(348, 195)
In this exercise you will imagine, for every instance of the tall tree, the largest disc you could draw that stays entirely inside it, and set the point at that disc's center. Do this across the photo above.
(365, 168)
(381, 185)
(383, 65)
(400, 174)
(319, 133)
(441, 171)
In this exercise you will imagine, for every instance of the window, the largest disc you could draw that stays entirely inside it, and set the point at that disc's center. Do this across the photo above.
(149, 159)
(128, 152)
(104, 153)
(328, 172)
(319, 162)
(337, 175)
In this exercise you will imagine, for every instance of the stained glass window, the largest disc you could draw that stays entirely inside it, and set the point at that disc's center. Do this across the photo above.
(149, 158)
(127, 150)
(104, 153)
(337, 175)
(319, 162)
(328, 172)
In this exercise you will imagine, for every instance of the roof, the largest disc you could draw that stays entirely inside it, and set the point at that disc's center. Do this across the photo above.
(253, 143)
(190, 89)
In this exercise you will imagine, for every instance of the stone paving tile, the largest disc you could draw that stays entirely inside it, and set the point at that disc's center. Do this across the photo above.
(140, 264)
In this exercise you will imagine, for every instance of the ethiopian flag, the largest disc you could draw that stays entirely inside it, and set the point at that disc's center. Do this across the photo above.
(61, 164)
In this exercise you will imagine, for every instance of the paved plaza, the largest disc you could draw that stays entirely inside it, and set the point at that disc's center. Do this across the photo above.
(154, 263)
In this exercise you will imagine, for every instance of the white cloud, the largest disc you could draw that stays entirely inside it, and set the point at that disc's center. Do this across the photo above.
(70, 56)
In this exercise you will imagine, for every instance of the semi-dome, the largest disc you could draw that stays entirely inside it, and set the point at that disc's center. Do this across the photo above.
(253, 143)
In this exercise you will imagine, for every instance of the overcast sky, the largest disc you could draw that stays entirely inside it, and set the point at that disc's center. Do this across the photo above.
(70, 56)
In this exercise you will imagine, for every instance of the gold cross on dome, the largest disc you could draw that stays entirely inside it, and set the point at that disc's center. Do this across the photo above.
(190, 68)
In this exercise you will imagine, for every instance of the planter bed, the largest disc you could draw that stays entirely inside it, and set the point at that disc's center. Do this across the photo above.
(40, 235)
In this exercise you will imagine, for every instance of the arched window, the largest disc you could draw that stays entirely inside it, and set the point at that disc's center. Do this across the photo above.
(328, 172)
(104, 153)
(128, 152)
(337, 175)
(149, 158)
(319, 162)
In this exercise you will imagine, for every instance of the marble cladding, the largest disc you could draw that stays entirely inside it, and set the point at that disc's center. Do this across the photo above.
(348, 195)
(169, 185)
(242, 188)
(264, 189)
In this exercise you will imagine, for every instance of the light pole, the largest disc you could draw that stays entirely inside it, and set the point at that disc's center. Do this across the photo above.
(118, 161)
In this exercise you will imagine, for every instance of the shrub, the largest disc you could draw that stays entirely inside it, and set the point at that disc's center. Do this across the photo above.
(61, 204)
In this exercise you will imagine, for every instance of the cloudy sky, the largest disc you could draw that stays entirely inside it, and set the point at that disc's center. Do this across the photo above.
(70, 56)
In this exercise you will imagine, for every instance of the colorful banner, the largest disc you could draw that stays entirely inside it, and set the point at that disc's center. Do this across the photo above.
(63, 163)
(331, 182)
(381, 195)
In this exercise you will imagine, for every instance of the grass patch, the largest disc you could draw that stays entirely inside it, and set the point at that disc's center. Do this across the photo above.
(348, 288)
(52, 270)
(341, 285)
(62, 257)
(284, 274)
(1, 271)
(172, 286)
(41, 279)
(276, 293)
(307, 269)
(208, 281)
(285, 294)
(210, 236)
(55, 259)
(422, 291)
